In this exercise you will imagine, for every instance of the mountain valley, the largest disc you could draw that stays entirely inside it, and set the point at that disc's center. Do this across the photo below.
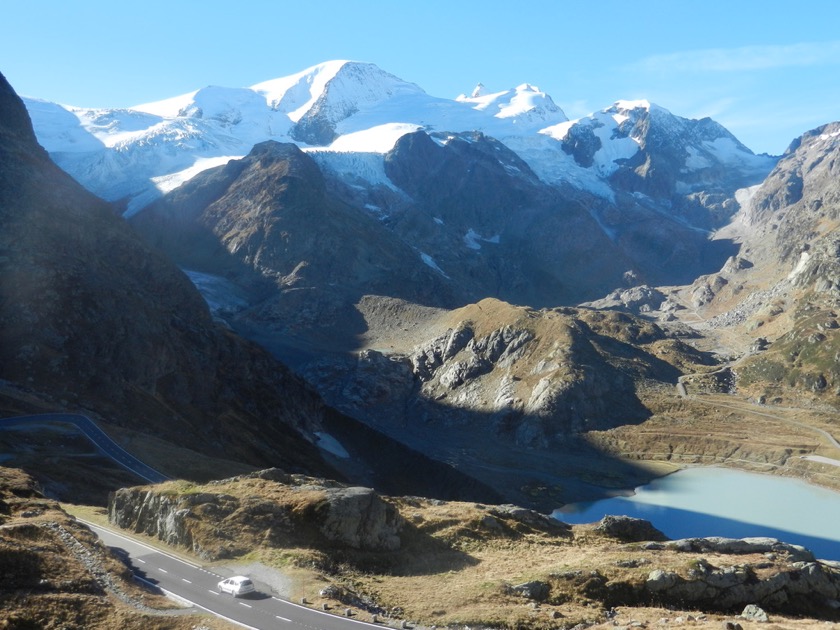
(476, 301)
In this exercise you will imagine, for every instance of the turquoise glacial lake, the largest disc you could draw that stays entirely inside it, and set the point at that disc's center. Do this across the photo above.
(699, 502)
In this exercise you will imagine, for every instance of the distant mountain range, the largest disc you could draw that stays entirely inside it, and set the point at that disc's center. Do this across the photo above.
(340, 109)
(497, 192)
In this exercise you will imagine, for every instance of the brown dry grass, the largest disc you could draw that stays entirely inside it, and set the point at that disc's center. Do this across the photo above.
(458, 561)
(50, 563)
(465, 582)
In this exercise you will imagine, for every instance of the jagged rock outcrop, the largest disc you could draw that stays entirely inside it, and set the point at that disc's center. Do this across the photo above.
(535, 590)
(272, 509)
(640, 299)
(531, 518)
(509, 377)
(807, 588)
(797, 583)
(718, 544)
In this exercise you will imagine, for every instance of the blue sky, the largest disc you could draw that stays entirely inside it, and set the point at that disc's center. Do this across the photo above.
(767, 70)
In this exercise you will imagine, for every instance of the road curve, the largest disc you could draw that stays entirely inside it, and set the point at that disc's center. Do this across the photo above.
(96, 435)
(179, 578)
(197, 586)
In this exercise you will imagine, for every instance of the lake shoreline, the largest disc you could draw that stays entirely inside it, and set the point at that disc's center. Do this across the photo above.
(702, 501)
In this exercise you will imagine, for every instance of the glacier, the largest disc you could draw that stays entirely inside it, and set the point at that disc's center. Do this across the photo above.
(348, 115)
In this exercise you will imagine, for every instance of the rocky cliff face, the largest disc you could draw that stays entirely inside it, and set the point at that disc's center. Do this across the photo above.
(232, 517)
(533, 375)
(783, 289)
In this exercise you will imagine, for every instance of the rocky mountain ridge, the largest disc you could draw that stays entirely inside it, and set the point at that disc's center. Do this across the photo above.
(494, 383)
(793, 255)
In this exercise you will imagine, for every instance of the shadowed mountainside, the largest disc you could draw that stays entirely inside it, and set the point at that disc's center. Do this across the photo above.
(93, 318)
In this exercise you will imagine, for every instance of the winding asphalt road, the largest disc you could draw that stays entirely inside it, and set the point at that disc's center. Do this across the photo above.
(176, 577)
(96, 435)
(260, 611)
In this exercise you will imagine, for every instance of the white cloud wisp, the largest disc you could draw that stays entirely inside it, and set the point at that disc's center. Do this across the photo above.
(745, 58)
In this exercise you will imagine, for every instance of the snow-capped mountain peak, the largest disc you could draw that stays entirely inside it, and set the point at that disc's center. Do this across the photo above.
(614, 141)
(349, 114)
(355, 87)
(338, 86)
(295, 94)
(627, 105)
(524, 103)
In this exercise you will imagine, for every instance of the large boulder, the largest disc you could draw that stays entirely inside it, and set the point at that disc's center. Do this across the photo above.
(359, 518)
(628, 529)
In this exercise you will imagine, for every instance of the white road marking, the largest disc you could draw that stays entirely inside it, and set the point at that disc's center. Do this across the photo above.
(246, 605)
(162, 570)
(282, 618)
(192, 603)
(214, 592)
(139, 560)
(186, 580)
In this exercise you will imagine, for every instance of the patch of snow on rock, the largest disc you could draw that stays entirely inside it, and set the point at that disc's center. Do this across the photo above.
(546, 158)
(804, 257)
(221, 295)
(165, 183)
(612, 147)
(695, 161)
(428, 260)
(471, 240)
(328, 443)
